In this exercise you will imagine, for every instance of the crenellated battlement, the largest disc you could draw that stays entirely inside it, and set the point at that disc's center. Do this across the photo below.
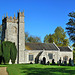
(12, 19)
(21, 14)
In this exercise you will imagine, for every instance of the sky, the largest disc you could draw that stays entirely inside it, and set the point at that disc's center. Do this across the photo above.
(41, 16)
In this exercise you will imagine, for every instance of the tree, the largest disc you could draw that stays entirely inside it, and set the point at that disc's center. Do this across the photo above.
(71, 30)
(13, 53)
(74, 56)
(0, 54)
(9, 51)
(74, 52)
(48, 38)
(26, 36)
(31, 38)
(59, 37)
(71, 26)
(0, 32)
(6, 51)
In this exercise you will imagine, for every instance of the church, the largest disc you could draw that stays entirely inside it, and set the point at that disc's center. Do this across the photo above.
(13, 30)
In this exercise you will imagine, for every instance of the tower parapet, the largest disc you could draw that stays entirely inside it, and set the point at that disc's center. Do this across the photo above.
(21, 13)
(10, 19)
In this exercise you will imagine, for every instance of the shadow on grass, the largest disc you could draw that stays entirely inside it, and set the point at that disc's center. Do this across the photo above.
(47, 71)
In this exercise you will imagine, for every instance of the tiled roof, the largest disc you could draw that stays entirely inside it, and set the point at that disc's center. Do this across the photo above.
(65, 49)
(40, 46)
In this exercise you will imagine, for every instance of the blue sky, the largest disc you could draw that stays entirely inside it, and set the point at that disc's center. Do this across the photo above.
(41, 16)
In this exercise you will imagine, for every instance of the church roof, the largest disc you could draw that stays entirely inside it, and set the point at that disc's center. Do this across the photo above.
(40, 46)
(65, 49)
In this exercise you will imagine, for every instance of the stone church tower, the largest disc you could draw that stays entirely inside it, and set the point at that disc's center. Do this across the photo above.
(13, 30)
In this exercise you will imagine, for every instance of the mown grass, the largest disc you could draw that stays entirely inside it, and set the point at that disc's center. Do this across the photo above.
(38, 69)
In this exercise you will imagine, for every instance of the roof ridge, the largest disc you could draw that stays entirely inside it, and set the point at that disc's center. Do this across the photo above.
(62, 46)
(39, 43)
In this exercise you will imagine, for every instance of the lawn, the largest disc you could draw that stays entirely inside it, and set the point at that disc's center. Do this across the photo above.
(38, 69)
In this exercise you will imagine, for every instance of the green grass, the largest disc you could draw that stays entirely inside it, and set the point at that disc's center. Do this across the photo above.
(38, 69)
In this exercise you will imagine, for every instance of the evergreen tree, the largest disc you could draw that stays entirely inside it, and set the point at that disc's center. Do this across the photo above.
(71, 30)
(13, 53)
(9, 51)
(71, 26)
(0, 54)
(6, 51)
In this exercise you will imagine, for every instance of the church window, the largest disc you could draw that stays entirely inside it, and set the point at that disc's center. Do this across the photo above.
(50, 56)
(30, 57)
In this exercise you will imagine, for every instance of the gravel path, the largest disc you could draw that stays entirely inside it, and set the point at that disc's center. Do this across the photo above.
(3, 71)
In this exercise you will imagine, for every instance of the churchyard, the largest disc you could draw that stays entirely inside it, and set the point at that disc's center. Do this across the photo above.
(39, 69)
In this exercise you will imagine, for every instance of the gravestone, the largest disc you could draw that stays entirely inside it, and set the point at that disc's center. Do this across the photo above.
(48, 63)
(72, 63)
(60, 61)
(41, 62)
(44, 60)
(31, 63)
(53, 63)
(65, 63)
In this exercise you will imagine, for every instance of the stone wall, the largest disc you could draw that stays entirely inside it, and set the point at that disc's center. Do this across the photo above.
(69, 54)
(21, 38)
(56, 55)
(44, 54)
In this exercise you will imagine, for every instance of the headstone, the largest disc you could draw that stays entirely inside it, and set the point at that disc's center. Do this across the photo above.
(41, 62)
(10, 62)
(31, 63)
(48, 63)
(65, 63)
(53, 63)
(60, 61)
(72, 63)
(44, 60)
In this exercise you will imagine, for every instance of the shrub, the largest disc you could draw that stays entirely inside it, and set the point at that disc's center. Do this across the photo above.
(74, 56)
(13, 53)
(9, 51)
(0, 54)
(6, 51)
